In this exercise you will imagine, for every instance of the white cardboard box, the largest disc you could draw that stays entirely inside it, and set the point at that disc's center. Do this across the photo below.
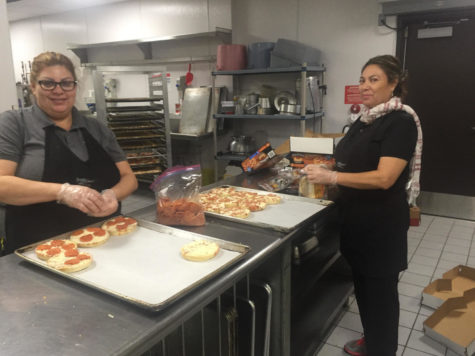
(320, 145)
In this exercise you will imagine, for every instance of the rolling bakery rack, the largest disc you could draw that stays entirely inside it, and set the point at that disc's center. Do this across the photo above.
(140, 124)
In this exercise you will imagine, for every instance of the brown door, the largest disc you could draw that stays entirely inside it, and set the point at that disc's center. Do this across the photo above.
(442, 92)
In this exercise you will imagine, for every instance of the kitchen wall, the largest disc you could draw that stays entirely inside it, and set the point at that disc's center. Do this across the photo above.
(8, 97)
(345, 31)
(128, 20)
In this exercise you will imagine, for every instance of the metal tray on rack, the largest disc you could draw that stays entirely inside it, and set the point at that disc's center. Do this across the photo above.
(134, 116)
(138, 135)
(145, 267)
(132, 100)
(114, 109)
(291, 212)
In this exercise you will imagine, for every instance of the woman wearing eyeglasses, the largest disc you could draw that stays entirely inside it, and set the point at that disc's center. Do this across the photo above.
(58, 169)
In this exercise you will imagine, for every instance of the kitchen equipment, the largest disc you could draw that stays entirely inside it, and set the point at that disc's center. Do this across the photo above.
(289, 109)
(194, 113)
(258, 54)
(242, 145)
(188, 76)
(231, 57)
(264, 107)
(126, 267)
(297, 52)
(312, 94)
(284, 97)
(252, 103)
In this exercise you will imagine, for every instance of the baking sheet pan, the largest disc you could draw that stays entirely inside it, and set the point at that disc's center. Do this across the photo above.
(286, 216)
(145, 267)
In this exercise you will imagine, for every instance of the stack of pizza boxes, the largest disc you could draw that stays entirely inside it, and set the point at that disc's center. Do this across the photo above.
(453, 321)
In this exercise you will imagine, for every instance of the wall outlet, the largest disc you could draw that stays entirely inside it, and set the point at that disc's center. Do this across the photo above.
(381, 20)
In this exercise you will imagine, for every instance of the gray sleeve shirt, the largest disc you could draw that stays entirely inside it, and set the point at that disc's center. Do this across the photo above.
(22, 139)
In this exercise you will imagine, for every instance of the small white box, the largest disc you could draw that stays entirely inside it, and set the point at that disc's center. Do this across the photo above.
(318, 145)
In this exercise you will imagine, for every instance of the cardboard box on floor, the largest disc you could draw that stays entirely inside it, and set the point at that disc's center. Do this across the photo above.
(452, 284)
(453, 324)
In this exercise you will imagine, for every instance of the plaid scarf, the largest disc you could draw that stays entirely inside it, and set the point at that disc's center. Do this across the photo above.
(369, 115)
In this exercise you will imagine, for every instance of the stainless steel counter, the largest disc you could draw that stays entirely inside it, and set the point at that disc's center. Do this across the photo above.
(44, 314)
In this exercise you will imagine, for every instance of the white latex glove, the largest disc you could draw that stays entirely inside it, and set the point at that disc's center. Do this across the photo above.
(320, 174)
(83, 198)
(110, 203)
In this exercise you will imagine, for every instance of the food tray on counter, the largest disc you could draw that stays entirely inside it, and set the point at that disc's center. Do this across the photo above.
(291, 212)
(145, 267)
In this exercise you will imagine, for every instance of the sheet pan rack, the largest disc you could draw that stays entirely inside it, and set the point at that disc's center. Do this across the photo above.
(140, 124)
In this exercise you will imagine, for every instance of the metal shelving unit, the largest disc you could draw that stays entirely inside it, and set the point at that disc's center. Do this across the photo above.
(143, 131)
(303, 70)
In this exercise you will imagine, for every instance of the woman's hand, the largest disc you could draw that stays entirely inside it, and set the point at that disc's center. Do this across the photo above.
(110, 204)
(319, 173)
(85, 199)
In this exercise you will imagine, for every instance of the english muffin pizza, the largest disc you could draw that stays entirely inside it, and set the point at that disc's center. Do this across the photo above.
(120, 225)
(89, 237)
(199, 250)
(63, 255)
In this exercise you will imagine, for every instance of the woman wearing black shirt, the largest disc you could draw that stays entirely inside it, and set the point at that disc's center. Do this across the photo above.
(375, 161)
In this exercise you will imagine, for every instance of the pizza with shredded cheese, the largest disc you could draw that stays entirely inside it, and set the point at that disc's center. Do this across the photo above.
(236, 203)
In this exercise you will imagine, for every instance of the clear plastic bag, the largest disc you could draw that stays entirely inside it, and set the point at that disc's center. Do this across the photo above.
(177, 195)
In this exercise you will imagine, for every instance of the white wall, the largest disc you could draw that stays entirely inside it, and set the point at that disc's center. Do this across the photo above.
(8, 97)
(128, 20)
(345, 31)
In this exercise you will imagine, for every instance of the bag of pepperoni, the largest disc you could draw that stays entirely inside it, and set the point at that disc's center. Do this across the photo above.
(177, 194)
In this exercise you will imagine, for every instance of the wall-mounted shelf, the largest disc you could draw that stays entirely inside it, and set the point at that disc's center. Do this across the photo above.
(302, 71)
(145, 45)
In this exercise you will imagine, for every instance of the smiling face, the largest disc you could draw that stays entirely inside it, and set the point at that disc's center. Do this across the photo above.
(56, 103)
(374, 86)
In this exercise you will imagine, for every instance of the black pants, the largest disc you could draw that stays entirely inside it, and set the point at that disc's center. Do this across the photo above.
(378, 302)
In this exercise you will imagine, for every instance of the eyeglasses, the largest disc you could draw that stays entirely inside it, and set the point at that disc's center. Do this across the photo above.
(66, 85)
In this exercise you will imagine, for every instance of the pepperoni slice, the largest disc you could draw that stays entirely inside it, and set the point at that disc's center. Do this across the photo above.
(71, 253)
(57, 242)
(72, 261)
(122, 226)
(68, 246)
(96, 231)
(77, 232)
(53, 251)
(130, 221)
(84, 256)
(86, 238)
(43, 247)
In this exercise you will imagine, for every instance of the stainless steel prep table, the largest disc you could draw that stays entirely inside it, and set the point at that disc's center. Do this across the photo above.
(49, 315)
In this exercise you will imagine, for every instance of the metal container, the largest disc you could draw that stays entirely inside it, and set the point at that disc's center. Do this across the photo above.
(313, 94)
(242, 145)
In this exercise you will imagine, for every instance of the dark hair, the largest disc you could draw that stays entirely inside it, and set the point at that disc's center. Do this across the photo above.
(48, 59)
(391, 66)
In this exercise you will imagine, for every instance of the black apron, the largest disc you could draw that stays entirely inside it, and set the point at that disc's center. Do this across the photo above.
(25, 225)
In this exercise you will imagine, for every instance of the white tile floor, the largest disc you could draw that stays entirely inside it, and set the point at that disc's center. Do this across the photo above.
(434, 247)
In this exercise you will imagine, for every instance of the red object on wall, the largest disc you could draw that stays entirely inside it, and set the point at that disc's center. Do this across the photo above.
(352, 94)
